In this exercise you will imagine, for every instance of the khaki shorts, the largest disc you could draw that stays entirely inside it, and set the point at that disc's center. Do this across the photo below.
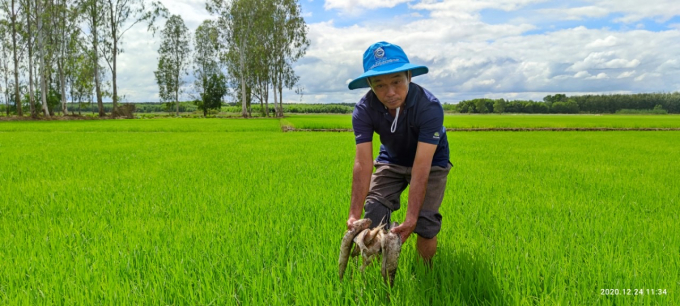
(387, 184)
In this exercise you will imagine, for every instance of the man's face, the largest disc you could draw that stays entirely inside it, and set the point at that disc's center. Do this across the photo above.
(391, 89)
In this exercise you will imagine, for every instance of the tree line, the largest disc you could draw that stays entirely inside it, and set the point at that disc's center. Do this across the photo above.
(229, 108)
(54, 51)
(652, 103)
(249, 48)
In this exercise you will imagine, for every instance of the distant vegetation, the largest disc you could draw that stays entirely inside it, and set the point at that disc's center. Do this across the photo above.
(645, 103)
(190, 107)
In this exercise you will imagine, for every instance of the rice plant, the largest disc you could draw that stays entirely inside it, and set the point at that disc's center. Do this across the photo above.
(200, 216)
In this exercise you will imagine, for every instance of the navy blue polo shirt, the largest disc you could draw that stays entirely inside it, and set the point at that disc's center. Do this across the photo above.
(421, 119)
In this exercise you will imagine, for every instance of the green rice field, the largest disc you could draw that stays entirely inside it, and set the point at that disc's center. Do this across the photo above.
(506, 121)
(236, 212)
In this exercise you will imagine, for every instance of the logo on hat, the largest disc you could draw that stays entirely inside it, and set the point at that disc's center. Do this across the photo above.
(379, 53)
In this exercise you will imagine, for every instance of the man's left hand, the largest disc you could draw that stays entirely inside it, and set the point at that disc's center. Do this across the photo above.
(404, 230)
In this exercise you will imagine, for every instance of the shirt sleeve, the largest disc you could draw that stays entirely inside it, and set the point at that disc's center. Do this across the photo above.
(431, 123)
(361, 124)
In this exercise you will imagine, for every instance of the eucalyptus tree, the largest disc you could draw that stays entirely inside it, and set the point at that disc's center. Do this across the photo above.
(121, 16)
(80, 76)
(12, 11)
(206, 61)
(4, 64)
(173, 60)
(262, 39)
(290, 43)
(92, 13)
(261, 61)
(29, 23)
(239, 21)
(210, 82)
(43, 34)
(65, 37)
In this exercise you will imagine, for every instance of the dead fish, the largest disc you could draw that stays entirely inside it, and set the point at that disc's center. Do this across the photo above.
(369, 242)
(391, 247)
(347, 241)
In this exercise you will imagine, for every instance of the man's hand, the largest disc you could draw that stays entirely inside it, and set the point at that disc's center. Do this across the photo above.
(404, 230)
(350, 222)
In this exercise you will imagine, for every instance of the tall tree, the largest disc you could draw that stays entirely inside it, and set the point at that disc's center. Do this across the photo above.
(12, 10)
(44, 49)
(91, 13)
(66, 31)
(173, 59)
(81, 76)
(122, 15)
(29, 43)
(4, 64)
(290, 43)
(238, 20)
(263, 38)
(206, 55)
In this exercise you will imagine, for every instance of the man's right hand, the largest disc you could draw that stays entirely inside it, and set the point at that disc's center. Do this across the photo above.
(350, 222)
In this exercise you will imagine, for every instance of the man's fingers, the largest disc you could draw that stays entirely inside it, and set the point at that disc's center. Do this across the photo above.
(350, 222)
(403, 232)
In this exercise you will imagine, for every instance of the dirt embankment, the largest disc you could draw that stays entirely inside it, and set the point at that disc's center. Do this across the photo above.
(578, 129)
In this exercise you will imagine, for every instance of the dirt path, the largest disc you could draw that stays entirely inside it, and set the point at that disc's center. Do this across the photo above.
(579, 129)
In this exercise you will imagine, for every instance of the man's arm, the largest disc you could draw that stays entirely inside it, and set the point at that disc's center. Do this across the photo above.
(419, 176)
(361, 180)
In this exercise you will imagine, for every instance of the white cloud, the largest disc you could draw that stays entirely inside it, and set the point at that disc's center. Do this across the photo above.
(626, 74)
(582, 74)
(356, 6)
(641, 77)
(465, 54)
(575, 13)
(608, 59)
(635, 10)
(669, 66)
(631, 10)
(449, 8)
(622, 63)
(599, 76)
(467, 57)
(648, 76)
(600, 43)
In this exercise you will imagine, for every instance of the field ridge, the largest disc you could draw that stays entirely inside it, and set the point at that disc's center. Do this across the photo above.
(286, 128)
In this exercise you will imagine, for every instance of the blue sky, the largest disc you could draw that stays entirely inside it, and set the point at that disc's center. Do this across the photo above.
(315, 12)
(515, 49)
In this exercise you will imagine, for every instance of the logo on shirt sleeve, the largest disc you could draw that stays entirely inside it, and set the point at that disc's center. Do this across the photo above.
(358, 136)
(436, 135)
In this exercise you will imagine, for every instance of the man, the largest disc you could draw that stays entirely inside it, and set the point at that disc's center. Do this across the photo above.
(414, 150)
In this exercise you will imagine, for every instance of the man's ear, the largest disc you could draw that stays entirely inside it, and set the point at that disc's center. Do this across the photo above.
(408, 76)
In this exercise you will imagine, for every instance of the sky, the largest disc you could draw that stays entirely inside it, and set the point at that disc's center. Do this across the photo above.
(512, 49)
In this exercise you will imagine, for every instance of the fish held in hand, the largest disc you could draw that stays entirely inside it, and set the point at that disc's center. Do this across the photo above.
(371, 243)
(391, 248)
(347, 242)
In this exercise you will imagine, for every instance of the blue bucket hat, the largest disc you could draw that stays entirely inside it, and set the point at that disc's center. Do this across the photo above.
(384, 58)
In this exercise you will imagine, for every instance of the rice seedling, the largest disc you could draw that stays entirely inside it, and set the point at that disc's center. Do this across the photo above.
(197, 215)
